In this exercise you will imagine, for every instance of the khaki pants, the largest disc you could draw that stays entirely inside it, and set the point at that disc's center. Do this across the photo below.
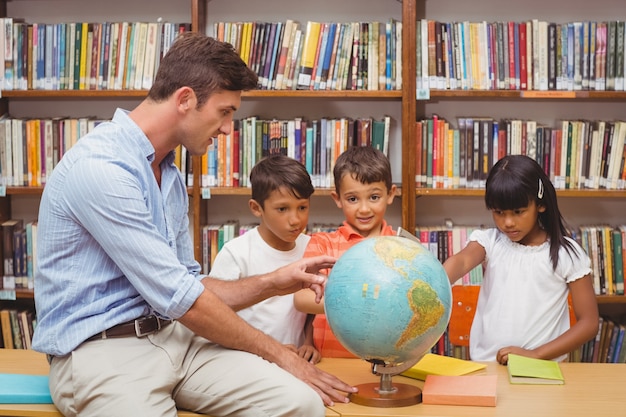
(153, 375)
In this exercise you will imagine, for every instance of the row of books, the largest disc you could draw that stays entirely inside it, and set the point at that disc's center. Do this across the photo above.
(319, 55)
(214, 236)
(444, 241)
(609, 345)
(31, 148)
(577, 154)
(527, 55)
(83, 55)
(19, 250)
(315, 143)
(605, 245)
(17, 327)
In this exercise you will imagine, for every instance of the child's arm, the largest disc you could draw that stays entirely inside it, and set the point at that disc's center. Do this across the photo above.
(586, 311)
(461, 263)
(308, 350)
(304, 300)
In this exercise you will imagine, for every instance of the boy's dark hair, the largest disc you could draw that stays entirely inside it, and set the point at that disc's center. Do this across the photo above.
(365, 163)
(205, 65)
(515, 181)
(276, 171)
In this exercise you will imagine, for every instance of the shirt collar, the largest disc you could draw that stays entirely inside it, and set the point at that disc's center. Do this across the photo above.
(349, 233)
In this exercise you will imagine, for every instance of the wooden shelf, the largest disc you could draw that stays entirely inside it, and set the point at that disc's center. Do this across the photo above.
(340, 94)
(473, 192)
(39, 190)
(103, 94)
(611, 299)
(245, 191)
(529, 95)
(73, 94)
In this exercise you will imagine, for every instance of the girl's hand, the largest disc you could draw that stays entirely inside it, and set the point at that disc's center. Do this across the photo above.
(503, 354)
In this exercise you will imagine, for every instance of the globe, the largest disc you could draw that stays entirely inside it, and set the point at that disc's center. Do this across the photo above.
(388, 300)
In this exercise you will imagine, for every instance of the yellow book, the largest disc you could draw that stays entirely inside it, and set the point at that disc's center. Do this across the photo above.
(309, 51)
(608, 260)
(432, 364)
(245, 42)
(83, 56)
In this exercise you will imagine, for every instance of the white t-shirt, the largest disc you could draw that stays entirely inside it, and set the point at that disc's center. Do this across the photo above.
(249, 255)
(523, 301)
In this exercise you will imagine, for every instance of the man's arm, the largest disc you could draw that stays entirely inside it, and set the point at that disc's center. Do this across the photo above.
(298, 275)
(212, 318)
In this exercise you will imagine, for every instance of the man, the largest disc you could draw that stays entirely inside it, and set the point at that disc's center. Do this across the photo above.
(115, 266)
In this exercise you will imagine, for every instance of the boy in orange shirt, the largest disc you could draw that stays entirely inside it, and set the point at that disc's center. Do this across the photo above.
(363, 190)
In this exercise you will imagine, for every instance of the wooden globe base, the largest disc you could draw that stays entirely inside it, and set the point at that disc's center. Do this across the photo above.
(403, 395)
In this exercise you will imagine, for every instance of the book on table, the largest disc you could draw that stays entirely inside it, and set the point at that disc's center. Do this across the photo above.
(473, 390)
(24, 389)
(432, 364)
(524, 370)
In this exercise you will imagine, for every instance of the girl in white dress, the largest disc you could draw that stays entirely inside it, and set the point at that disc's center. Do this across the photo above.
(530, 266)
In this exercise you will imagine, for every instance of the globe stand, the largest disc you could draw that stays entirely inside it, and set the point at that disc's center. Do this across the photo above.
(386, 394)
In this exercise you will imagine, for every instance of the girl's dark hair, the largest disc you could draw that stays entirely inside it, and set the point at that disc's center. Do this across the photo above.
(276, 171)
(517, 180)
(365, 163)
(205, 65)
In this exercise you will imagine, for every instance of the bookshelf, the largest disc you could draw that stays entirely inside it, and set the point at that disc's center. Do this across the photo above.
(465, 206)
(226, 203)
(23, 202)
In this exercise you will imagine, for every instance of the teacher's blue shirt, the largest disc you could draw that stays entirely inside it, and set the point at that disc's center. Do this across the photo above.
(112, 245)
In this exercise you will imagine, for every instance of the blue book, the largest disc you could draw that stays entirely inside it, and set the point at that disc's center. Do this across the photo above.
(24, 389)
(332, 28)
(275, 42)
(298, 140)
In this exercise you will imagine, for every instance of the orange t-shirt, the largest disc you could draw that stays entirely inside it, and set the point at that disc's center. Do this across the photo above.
(334, 244)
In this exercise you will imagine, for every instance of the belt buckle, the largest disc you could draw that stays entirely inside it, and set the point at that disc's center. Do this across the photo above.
(147, 325)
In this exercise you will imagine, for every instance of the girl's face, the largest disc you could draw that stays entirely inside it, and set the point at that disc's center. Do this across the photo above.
(521, 225)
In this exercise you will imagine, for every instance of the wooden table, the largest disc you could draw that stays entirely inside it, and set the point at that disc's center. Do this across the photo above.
(35, 363)
(590, 389)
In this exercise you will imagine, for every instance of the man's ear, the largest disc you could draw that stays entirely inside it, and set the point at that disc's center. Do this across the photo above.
(185, 99)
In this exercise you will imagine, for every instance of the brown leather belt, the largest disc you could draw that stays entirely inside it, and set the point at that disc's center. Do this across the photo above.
(140, 327)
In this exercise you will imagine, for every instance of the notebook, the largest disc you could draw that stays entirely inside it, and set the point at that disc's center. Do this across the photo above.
(475, 390)
(24, 389)
(432, 364)
(524, 370)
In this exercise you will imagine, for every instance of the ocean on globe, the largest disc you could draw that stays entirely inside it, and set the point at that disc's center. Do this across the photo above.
(388, 299)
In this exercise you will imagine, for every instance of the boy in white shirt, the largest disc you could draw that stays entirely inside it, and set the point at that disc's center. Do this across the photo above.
(281, 190)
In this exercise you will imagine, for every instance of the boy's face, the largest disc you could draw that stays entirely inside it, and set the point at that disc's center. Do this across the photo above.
(283, 218)
(364, 205)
